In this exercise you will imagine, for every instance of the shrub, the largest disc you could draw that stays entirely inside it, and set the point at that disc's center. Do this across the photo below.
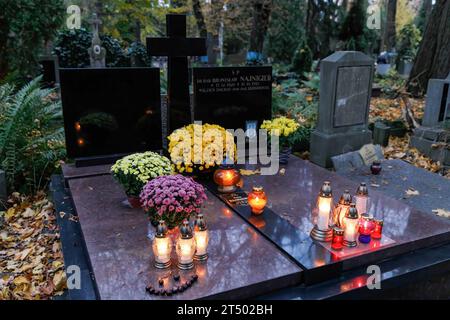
(409, 41)
(303, 59)
(31, 135)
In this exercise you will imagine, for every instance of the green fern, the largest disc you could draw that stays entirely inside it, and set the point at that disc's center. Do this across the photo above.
(31, 135)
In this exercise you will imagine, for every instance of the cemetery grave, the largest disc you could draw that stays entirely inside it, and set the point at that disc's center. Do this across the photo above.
(151, 167)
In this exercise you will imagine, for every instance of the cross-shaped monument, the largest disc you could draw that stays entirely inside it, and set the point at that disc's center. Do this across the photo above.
(177, 47)
(97, 53)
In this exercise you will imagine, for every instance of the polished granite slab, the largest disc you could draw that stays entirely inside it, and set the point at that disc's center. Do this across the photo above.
(292, 195)
(398, 176)
(70, 171)
(242, 263)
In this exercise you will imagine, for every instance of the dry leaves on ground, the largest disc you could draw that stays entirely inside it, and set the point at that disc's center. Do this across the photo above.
(442, 213)
(31, 260)
(399, 149)
(391, 109)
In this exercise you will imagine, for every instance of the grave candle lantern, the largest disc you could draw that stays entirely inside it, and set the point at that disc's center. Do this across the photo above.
(201, 235)
(366, 226)
(226, 178)
(341, 209)
(162, 247)
(338, 239)
(378, 229)
(322, 231)
(362, 199)
(185, 247)
(257, 200)
(351, 226)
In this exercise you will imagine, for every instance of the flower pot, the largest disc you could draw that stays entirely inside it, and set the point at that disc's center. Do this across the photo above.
(285, 153)
(134, 202)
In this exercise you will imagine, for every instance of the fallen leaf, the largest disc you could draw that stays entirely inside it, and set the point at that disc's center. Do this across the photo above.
(442, 213)
(282, 171)
(62, 214)
(412, 193)
(250, 172)
(59, 280)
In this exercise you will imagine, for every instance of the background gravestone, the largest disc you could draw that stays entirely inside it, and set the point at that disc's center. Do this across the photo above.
(49, 67)
(345, 91)
(3, 193)
(111, 111)
(433, 138)
(233, 97)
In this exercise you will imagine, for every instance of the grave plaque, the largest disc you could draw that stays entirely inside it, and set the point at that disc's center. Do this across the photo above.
(345, 92)
(233, 97)
(111, 111)
(437, 108)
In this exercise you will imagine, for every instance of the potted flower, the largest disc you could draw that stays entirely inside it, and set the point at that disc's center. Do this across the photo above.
(134, 171)
(284, 128)
(172, 199)
(198, 149)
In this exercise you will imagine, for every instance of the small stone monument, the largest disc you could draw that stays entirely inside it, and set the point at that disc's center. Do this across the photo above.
(345, 91)
(433, 138)
(97, 53)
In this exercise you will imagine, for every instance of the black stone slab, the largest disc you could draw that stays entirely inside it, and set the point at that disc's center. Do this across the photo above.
(292, 196)
(231, 96)
(111, 111)
(398, 176)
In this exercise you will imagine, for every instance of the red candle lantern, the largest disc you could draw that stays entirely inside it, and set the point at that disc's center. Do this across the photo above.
(366, 227)
(338, 239)
(378, 229)
(226, 178)
(257, 200)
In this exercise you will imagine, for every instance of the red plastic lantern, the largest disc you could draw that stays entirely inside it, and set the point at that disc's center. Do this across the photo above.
(378, 229)
(226, 178)
(366, 227)
(338, 239)
(257, 200)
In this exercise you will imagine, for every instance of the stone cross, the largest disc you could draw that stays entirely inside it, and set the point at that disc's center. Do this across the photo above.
(97, 53)
(177, 47)
(345, 91)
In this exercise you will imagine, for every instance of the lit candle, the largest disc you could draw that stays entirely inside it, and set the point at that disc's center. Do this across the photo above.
(341, 209)
(338, 239)
(351, 221)
(226, 178)
(321, 230)
(378, 229)
(185, 247)
(366, 227)
(201, 238)
(257, 200)
(162, 247)
(362, 199)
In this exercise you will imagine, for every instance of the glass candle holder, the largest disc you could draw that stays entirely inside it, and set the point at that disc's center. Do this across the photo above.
(201, 236)
(362, 199)
(185, 247)
(366, 228)
(257, 200)
(378, 229)
(341, 209)
(351, 227)
(338, 239)
(226, 178)
(321, 230)
(162, 247)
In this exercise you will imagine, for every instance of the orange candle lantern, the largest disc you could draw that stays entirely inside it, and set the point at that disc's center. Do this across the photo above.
(226, 178)
(257, 200)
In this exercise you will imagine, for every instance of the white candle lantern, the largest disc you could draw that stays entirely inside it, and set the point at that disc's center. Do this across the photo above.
(185, 247)
(322, 231)
(351, 223)
(201, 236)
(162, 247)
(362, 199)
(341, 209)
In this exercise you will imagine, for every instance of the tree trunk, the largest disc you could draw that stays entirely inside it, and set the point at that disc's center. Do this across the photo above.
(261, 18)
(137, 31)
(433, 58)
(198, 13)
(390, 32)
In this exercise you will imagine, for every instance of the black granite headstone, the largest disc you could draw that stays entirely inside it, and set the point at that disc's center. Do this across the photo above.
(111, 111)
(233, 97)
(49, 68)
(177, 47)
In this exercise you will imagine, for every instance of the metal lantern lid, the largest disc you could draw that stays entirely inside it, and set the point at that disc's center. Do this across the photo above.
(326, 191)
(362, 190)
(258, 189)
(161, 230)
(186, 230)
(346, 198)
(352, 213)
(366, 217)
(201, 223)
(338, 231)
